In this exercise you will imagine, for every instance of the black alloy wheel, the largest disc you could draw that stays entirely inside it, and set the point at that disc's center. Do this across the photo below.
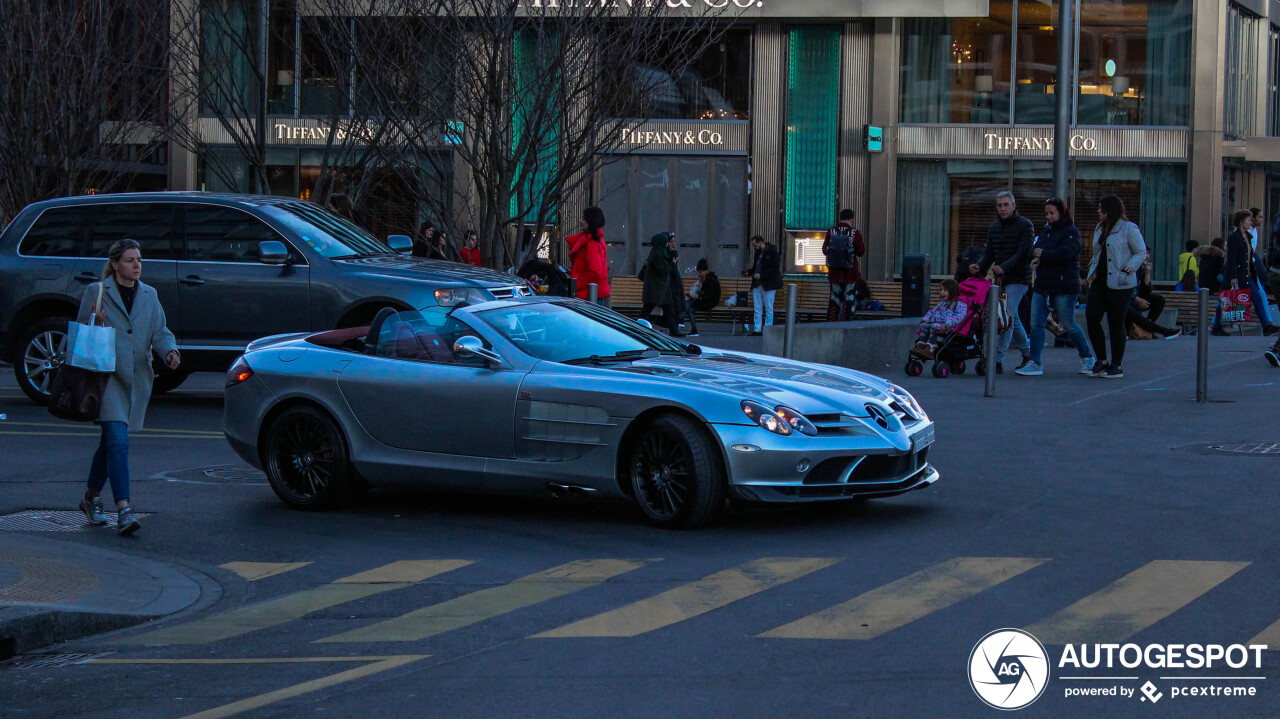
(306, 460)
(40, 351)
(675, 475)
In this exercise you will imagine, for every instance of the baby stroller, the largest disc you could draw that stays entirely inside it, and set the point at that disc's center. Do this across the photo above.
(961, 344)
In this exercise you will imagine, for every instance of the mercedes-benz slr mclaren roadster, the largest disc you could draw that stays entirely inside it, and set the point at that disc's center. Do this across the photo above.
(536, 395)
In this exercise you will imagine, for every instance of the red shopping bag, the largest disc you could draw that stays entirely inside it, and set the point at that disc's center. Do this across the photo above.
(1236, 305)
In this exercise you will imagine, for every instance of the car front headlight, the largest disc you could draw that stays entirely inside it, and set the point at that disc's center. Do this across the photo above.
(798, 422)
(454, 296)
(908, 402)
(766, 418)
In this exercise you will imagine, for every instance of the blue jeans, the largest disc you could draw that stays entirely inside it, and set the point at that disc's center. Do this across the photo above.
(1016, 331)
(1065, 305)
(111, 460)
(1259, 297)
(762, 300)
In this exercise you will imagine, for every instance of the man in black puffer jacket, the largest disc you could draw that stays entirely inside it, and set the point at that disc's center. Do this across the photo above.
(1008, 255)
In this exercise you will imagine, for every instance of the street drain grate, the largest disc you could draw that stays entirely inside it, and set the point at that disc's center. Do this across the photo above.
(1254, 448)
(48, 661)
(54, 520)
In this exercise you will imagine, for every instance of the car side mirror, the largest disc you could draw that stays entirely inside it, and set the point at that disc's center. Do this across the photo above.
(471, 346)
(273, 252)
(402, 244)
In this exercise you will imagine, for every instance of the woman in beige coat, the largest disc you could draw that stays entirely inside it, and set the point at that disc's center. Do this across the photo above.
(133, 309)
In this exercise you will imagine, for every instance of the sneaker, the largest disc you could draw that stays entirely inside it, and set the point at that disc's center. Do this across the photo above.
(1099, 369)
(692, 334)
(1270, 331)
(126, 523)
(757, 334)
(1175, 335)
(1030, 369)
(1113, 373)
(1086, 365)
(1025, 361)
(92, 509)
(1272, 358)
(1219, 333)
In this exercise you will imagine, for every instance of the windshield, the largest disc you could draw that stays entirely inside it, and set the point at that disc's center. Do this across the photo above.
(330, 234)
(561, 332)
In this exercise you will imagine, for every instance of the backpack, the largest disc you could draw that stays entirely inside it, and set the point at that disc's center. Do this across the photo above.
(1188, 282)
(840, 250)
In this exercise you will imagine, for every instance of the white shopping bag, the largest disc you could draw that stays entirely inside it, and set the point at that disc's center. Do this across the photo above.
(92, 346)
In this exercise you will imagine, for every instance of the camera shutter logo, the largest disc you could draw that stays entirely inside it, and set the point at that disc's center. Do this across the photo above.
(1008, 669)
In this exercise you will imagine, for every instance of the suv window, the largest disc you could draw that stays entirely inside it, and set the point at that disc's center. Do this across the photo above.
(151, 224)
(328, 233)
(58, 232)
(225, 234)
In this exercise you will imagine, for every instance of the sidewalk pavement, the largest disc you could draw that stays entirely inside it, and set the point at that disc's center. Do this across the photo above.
(53, 591)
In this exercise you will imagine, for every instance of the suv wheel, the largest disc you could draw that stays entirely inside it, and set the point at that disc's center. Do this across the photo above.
(41, 349)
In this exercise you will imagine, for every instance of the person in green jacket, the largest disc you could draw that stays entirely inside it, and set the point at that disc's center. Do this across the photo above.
(660, 275)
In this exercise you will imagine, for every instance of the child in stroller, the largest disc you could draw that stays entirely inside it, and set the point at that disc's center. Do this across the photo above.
(950, 333)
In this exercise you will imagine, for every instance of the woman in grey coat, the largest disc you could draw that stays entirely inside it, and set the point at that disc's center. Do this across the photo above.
(1118, 253)
(133, 309)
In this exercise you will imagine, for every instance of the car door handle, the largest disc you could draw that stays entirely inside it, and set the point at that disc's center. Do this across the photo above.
(192, 280)
(86, 278)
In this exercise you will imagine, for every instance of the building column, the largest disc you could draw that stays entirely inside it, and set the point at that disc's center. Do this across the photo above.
(182, 162)
(881, 221)
(767, 134)
(855, 113)
(1204, 171)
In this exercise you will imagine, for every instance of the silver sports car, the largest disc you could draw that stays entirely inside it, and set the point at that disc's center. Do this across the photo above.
(535, 395)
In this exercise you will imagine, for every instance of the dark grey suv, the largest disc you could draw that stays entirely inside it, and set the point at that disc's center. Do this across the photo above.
(228, 269)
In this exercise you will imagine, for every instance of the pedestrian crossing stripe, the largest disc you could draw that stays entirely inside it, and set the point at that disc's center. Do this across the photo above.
(1134, 602)
(906, 600)
(253, 571)
(236, 622)
(1114, 614)
(692, 599)
(494, 601)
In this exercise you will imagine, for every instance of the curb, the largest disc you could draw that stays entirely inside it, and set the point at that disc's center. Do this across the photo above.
(115, 604)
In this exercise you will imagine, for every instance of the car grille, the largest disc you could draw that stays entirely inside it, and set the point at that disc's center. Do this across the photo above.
(876, 469)
(835, 424)
(506, 293)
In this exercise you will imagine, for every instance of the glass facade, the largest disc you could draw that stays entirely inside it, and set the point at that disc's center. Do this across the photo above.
(813, 121)
(1133, 65)
(945, 206)
(665, 84)
(1241, 72)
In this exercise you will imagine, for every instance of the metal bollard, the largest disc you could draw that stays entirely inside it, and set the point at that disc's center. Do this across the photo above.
(1202, 346)
(989, 340)
(573, 286)
(592, 291)
(790, 333)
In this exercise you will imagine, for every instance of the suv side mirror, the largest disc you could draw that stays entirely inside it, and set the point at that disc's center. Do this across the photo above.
(401, 244)
(472, 346)
(273, 252)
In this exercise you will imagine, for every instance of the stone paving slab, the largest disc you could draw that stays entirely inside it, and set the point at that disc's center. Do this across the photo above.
(52, 591)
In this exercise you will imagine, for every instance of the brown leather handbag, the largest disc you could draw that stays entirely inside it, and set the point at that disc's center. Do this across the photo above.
(76, 394)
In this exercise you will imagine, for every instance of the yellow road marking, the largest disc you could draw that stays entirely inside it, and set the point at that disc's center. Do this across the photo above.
(693, 599)
(1269, 636)
(494, 601)
(236, 622)
(139, 435)
(901, 602)
(1134, 602)
(407, 571)
(253, 571)
(63, 425)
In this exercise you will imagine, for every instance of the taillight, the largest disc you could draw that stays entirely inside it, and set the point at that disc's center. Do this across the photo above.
(239, 372)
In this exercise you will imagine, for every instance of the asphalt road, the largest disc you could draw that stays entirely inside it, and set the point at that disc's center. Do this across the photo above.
(1084, 510)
